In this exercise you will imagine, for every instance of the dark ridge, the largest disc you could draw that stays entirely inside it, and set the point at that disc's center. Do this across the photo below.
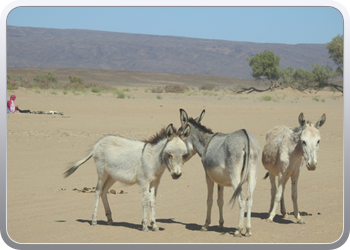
(200, 126)
(29, 47)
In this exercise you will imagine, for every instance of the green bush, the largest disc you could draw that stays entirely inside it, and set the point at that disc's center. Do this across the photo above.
(266, 98)
(96, 89)
(119, 93)
(74, 79)
(45, 81)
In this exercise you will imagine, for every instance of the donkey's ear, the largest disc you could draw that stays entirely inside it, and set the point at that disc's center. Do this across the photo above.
(302, 121)
(183, 117)
(200, 117)
(186, 132)
(170, 131)
(321, 121)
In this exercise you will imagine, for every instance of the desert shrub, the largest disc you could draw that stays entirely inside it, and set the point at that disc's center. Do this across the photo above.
(16, 81)
(74, 85)
(96, 89)
(119, 93)
(158, 89)
(175, 88)
(74, 79)
(45, 81)
(208, 86)
(11, 85)
(266, 98)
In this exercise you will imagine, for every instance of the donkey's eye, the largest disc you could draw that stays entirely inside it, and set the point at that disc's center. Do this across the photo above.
(184, 157)
(304, 143)
(318, 142)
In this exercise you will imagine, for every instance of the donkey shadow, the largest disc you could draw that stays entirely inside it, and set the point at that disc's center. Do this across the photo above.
(215, 228)
(119, 224)
(191, 226)
(198, 227)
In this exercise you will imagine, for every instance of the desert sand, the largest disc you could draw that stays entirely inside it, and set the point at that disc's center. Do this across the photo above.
(45, 207)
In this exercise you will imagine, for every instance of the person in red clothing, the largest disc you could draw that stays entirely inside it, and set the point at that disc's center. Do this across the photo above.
(11, 107)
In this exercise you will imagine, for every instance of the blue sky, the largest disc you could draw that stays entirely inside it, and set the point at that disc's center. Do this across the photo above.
(288, 25)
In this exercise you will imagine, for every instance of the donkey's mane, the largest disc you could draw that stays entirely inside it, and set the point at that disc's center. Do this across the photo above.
(200, 126)
(299, 129)
(158, 137)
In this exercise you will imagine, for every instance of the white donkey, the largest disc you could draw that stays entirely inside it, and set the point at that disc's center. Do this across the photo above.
(283, 155)
(131, 161)
(229, 160)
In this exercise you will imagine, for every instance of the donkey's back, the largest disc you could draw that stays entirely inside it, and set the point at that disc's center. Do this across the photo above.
(277, 144)
(115, 156)
(119, 157)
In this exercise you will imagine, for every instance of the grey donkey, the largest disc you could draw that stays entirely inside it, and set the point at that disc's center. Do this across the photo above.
(229, 160)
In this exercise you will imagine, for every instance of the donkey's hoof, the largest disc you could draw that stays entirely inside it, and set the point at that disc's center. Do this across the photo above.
(204, 228)
(269, 220)
(237, 234)
(145, 229)
(301, 222)
(155, 229)
(110, 222)
(93, 223)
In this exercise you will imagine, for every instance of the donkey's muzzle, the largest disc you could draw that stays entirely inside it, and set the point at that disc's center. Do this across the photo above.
(176, 176)
(311, 167)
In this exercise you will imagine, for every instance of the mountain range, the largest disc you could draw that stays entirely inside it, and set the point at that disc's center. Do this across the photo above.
(88, 49)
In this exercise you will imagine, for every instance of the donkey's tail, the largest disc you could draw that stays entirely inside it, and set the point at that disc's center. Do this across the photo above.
(266, 175)
(72, 169)
(245, 170)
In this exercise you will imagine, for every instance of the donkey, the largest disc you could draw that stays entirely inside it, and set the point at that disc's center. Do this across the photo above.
(131, 161)
(283, 156)
(229, 160)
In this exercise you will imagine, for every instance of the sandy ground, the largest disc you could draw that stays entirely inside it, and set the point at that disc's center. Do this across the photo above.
(42, 206)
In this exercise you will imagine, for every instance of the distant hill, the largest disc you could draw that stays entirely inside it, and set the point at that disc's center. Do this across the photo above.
(86, 49)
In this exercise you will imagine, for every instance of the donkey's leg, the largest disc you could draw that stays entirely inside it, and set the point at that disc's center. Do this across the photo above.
(283, 207)
(153, 195)
(235, 170)
(294, 180)
(241, 203)
(220, 203)
(101, 180)
(282, 179)
(273, 191)
(145, 202)
(210, 187)
(251, 186)
(108, 183)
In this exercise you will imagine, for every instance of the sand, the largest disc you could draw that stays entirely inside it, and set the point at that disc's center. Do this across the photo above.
(44, 207)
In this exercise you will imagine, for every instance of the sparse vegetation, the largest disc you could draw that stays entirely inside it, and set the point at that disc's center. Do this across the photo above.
(208, 86)
(74, 79)
(174, 88)
(266, 98)
(317, 99)
(120, 94)
(16, 81)
(45, 81)
(158, 89)
(96, 89)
